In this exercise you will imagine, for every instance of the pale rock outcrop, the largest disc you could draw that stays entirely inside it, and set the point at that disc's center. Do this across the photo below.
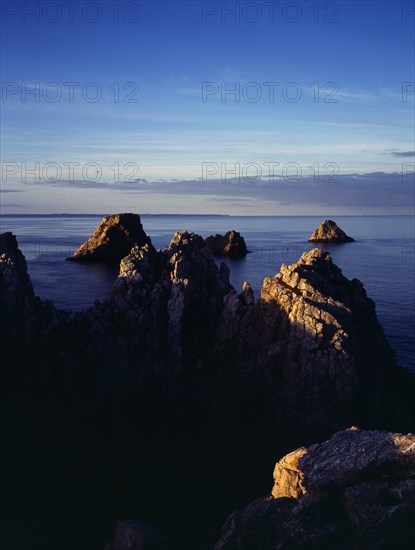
(354, 491)
(288, 478)
(112, 240)
(329, 232)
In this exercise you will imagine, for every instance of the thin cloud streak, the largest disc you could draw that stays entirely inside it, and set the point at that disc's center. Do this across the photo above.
(377, 189)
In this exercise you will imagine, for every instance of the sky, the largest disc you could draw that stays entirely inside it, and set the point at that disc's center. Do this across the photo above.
(249, 108)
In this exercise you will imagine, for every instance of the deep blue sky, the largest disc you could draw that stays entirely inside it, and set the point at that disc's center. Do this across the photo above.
(363, 52)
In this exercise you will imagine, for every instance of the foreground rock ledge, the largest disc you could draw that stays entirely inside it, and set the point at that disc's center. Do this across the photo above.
(329, 232)
(112, 240)
(356, 490)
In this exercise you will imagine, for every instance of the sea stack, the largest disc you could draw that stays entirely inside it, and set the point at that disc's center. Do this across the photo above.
(231, 244)
(112, 240)
(329, 232)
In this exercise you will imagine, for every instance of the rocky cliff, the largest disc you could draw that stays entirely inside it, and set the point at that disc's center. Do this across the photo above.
(179, 368)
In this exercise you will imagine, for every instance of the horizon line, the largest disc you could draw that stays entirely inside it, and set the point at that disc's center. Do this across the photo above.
(67, 215)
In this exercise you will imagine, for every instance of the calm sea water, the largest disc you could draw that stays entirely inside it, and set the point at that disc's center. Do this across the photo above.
(382, 258)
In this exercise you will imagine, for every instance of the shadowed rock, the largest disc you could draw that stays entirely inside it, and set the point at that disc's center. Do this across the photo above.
(329, 232)
(16, 291)
(354, 491)
(112, 240)
(133, 535)
(231, 244)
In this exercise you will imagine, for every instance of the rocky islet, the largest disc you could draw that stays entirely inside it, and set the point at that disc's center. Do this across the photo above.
(112, 240)
(329, 232)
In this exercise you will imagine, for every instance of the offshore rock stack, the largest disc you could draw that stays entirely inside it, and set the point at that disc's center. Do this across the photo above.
(231, 244)
(329, 232)
(179, 368)
(112, 240)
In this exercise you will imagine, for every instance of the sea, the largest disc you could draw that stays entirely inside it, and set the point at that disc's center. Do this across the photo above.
(382, 257)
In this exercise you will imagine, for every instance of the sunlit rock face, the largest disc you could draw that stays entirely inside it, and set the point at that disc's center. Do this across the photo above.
(356, 490)
(329, 232)
(112, 240)
(311, 345)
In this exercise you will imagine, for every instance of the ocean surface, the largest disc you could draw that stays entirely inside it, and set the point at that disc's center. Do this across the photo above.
(382, 258)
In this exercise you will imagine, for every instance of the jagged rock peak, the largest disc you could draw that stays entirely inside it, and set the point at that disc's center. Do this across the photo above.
(231, 244)
(314, 274)
(187, 240)
(140, 264)
(112, 240)
(356, 490)
(329, 232)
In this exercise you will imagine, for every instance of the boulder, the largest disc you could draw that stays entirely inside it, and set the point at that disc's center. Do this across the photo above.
(134, 535)
(231, 244)
(355, 490)
(329, 232)
(112, 240)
